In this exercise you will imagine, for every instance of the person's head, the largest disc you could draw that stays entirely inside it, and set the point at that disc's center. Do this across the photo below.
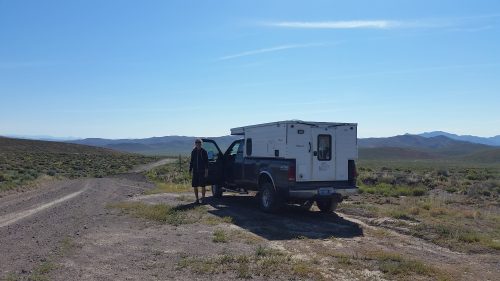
(197, 143)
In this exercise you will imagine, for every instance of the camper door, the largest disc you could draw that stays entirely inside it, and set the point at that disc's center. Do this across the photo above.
(323, 162)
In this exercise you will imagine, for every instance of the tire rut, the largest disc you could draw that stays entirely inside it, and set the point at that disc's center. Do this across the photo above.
(32, 229)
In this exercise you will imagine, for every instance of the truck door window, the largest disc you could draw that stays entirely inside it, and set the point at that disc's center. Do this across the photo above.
(241, 147)
(234, 149)
(324, 147)
(212, 151)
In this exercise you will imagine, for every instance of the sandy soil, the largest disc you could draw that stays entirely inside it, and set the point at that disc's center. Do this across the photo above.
(67, 227)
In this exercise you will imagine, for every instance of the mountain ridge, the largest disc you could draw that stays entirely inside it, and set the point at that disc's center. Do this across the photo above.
(494, 141)
(406, 146)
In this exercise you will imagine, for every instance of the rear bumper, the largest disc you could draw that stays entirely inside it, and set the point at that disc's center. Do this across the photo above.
(315, 189)
(315, 193)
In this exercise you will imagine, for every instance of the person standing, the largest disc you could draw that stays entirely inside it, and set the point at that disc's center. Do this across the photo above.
(198, 168)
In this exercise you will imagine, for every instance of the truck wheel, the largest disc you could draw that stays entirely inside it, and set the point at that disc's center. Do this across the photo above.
(327, 205)
(269, 201)
(217, 191)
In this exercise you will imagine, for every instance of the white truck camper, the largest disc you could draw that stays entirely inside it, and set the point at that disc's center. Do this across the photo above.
(321, 149)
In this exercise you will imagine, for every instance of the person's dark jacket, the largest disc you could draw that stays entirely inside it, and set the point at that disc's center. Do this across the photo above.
(199, 160)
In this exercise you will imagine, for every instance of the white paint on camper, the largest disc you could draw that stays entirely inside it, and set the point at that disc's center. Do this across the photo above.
(299, 140)
(346, 149)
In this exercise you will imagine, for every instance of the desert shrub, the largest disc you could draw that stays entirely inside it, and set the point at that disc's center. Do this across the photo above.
(177, 173)
(443, 173)
(451, 189)
(369, 179)
(476, 175)
(387, 178)
(389, 190)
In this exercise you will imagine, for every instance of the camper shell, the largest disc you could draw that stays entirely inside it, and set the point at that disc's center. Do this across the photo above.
(290, 161)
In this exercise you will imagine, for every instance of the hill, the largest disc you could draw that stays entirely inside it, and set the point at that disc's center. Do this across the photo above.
(495, 141)
(10, 145)
(439, 146)
(394, 153)
(23, 161)
(485, 156)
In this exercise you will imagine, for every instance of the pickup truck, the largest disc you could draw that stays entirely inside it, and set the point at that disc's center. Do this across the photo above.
(289, 167)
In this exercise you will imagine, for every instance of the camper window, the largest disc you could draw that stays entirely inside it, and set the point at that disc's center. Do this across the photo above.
(249, 147)
(324, 147)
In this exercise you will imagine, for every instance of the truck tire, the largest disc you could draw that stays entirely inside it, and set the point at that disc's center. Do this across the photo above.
(217, 191)
(268, 201)
(327, 205)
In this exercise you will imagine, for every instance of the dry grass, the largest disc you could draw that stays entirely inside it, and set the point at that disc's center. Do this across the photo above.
(454, 224)
(174, 215)
(163, 187)
(219, 236)
(265, 262)
(214, 220)
(162, 213)
(391, 264)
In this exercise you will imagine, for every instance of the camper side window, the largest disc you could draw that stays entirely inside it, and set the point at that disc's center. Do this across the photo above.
(249, 147)
(324, 147)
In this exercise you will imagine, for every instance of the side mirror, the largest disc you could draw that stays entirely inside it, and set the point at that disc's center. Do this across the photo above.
(210, 155)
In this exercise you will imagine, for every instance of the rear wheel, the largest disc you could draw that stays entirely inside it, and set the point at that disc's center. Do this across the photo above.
(217, 191)
(327, 205)
(268, 200)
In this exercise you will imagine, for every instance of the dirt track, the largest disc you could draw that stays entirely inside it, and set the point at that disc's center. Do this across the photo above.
(67, 225)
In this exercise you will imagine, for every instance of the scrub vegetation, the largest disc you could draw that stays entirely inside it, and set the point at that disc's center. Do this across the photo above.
(25, 161)
(452, 204)
(172, 177)
(265, 262)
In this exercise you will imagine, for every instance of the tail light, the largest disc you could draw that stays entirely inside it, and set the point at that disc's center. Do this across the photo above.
(352, 171)
(291, 172)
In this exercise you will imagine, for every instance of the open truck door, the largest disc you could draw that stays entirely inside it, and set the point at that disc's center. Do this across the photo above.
(215, 162)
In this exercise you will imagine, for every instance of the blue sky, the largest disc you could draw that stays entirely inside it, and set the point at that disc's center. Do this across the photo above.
(119, 69)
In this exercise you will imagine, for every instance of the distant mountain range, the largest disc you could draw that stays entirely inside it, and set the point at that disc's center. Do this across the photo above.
(168, 145)
(433, 145)
(495, 141)
(411, 147)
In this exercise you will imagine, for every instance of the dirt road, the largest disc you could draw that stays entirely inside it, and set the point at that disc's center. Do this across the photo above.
(66, 231)
(34, 224)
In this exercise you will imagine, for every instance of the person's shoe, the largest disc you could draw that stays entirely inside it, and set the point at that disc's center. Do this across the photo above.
(197, 202)
(202, 200)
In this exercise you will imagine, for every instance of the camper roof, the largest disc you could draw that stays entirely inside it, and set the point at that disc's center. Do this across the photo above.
(241, 130)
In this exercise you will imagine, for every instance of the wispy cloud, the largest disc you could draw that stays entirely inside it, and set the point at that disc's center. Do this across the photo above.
(384, 23)
(370, 24)
(271, 49)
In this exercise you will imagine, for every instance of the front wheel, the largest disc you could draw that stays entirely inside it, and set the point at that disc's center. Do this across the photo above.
(327, 205)
(269, 201)
(217, 191)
